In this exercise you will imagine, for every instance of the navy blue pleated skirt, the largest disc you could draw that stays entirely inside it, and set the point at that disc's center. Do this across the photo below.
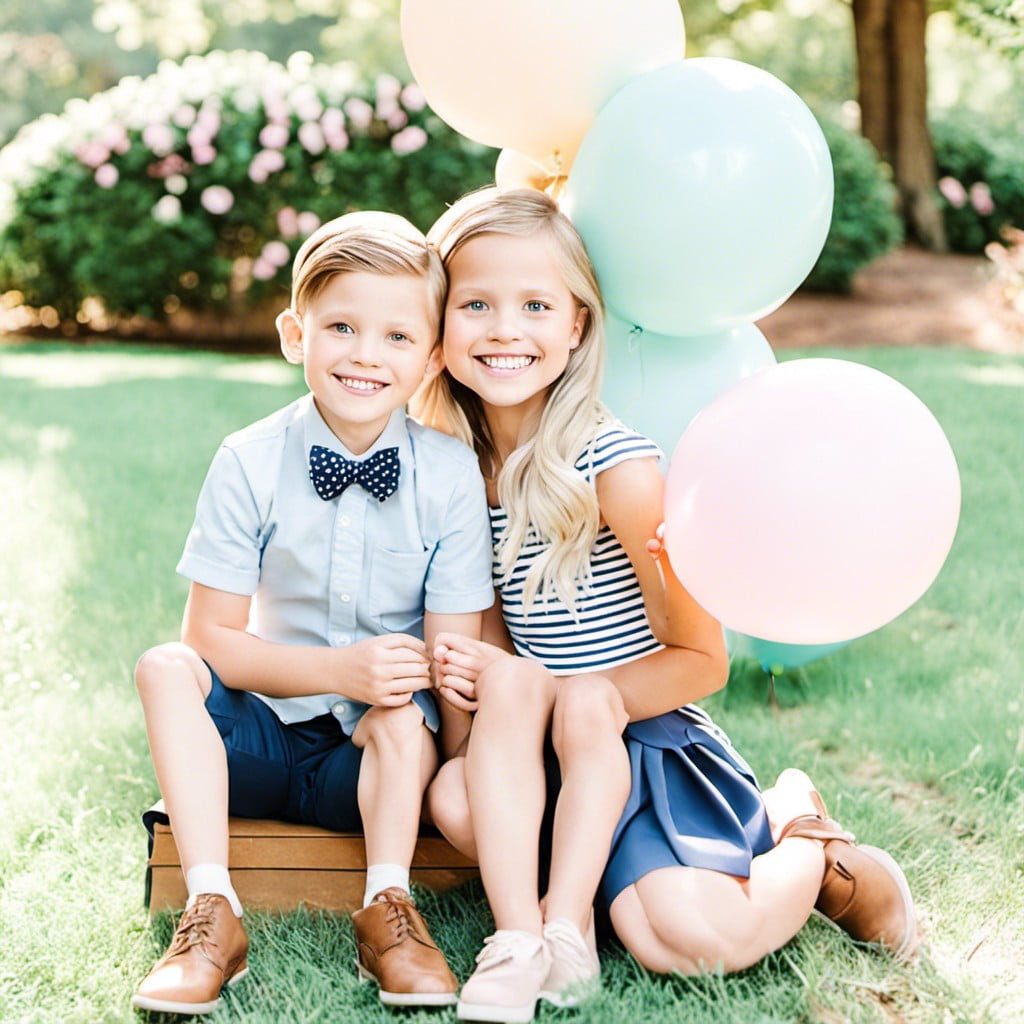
(693, 802)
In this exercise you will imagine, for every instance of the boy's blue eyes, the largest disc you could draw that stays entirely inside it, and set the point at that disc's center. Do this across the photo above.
(395, 336)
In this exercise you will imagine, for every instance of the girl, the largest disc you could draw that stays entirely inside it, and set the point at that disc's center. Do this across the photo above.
(697, 871)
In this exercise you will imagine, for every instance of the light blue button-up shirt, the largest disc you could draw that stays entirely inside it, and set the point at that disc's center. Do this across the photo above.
(331, 573)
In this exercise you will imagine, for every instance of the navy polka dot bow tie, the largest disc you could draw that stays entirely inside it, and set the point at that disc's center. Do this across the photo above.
(331, 474)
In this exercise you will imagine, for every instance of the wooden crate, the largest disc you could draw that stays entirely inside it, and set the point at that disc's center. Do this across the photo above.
(277, 866)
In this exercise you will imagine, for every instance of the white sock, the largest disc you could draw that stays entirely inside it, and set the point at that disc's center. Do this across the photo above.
(212, 878)
(383, 876)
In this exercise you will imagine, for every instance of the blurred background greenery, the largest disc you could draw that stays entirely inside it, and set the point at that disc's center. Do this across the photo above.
(101, 226)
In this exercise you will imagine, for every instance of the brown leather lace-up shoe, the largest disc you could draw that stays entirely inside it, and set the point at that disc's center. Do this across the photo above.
(207, 952)
(863, 891)
(396, 951)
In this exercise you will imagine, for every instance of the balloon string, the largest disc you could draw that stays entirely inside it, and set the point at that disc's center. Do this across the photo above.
(633, 347)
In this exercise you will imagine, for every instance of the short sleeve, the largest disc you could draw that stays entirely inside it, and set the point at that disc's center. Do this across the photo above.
(459, 575)
(614, 444)
(223, 548)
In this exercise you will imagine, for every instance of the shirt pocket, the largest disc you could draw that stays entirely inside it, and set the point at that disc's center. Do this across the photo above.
(397, 589)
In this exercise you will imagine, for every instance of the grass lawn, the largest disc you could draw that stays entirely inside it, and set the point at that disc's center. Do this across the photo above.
(914, 734)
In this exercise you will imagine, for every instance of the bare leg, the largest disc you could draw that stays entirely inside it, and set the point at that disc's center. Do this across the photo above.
(505, 783)
(448, 804)
(399, 759)
(188, 752)
(693, 920)
(587, 731)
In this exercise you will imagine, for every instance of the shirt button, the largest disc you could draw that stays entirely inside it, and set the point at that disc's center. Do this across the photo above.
(346, 598)
(342, 638)
(339, 709)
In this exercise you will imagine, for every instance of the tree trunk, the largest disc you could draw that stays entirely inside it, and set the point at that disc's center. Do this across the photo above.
(892, 89)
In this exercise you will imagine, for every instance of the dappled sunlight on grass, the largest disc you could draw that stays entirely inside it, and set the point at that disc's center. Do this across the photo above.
(1009, 375)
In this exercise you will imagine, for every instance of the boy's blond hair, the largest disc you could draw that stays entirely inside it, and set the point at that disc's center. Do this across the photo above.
(368, 242)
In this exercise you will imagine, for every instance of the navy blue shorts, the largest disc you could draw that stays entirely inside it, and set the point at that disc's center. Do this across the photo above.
(306, 772)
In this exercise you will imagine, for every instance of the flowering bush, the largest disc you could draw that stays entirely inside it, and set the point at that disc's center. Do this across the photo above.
(864, 224)
(193, 188)
(981, 182)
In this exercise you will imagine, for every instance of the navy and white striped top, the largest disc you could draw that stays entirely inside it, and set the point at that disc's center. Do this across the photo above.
(610, 626)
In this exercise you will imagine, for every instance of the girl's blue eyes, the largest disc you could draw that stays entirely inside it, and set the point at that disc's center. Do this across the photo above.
(534, 306)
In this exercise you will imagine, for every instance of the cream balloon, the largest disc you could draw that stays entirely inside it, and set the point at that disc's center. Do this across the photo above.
(514, 170)
(531, 75)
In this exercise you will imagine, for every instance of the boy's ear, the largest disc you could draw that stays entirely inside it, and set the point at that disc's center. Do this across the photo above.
(577, 328)
(435, 362)
(289, 330)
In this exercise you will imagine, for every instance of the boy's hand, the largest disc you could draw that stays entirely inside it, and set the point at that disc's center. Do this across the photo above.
(386, 670)
(458, 663)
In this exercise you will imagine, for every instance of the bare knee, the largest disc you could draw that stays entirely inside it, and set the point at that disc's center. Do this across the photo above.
(171, 664)
(516, 686)
(448, 806)
(398, 730)
(587, 708)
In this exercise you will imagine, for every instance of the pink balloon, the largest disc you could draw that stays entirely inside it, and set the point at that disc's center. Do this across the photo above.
(811, 503)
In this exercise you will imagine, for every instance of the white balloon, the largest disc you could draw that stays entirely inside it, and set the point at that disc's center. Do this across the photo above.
(531, 75)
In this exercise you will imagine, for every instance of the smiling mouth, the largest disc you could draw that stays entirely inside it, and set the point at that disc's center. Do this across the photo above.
(361, 384)
(507, 362)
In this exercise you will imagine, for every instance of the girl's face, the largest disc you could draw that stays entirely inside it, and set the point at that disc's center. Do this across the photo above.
(510, 319)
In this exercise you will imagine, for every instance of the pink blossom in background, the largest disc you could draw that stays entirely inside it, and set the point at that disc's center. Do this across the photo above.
(159, 138)
(312, 137)
(408, 140)
(358, 111)
(386, 109)
(184, 116)
(388, 88)
(92, 154)
(277, 111)
(263, 270)
(208, 121)
(398, 119)
(167, 210)
(952, 191)
(198, 136)
(106, 176)
(413, 98)
(332, 120)
(216, 199)
(337, 141)
(274, 136)
(308, 222)
(174, 163)
(287, 222)
(276, 253)
(115, 138)
(203, 155)
(265, 163)
(981, 199)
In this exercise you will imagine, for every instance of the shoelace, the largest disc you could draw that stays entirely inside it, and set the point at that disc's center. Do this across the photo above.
(499, 948)
(398, 915)
(195, 925)
(569, 948)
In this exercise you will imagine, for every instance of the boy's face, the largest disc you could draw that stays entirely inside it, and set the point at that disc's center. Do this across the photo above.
(366, 342)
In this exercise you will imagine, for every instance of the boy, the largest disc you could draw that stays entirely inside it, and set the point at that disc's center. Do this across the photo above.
(330, 539)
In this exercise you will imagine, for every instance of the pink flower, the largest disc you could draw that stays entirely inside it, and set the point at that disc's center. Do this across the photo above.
(276, 253)
(184, 115)
(287, 222)
(263, 270)
(953, 192)
(307, 222)
(388, 88)
(408, 140)
(337, 140)
(175, 163)
(359, 112)
(217, 199)
(106, 176)
(115, 138)
(981, 199)
(204, 155)
(265, 163)
(312, 137)
(413, 98)
(386, 108)
(332, 121)
(159, 138)
(208, 121)
(274, 136)
(93, 153)
(398, 119)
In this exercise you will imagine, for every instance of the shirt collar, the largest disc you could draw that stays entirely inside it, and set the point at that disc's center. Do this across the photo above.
(316, 431)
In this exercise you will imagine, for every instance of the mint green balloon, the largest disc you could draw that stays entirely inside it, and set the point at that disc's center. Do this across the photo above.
(703, 191)
(657, 384)
(774, 657)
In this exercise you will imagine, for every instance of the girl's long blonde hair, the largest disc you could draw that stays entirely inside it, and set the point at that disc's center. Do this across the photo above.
(547, 500)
